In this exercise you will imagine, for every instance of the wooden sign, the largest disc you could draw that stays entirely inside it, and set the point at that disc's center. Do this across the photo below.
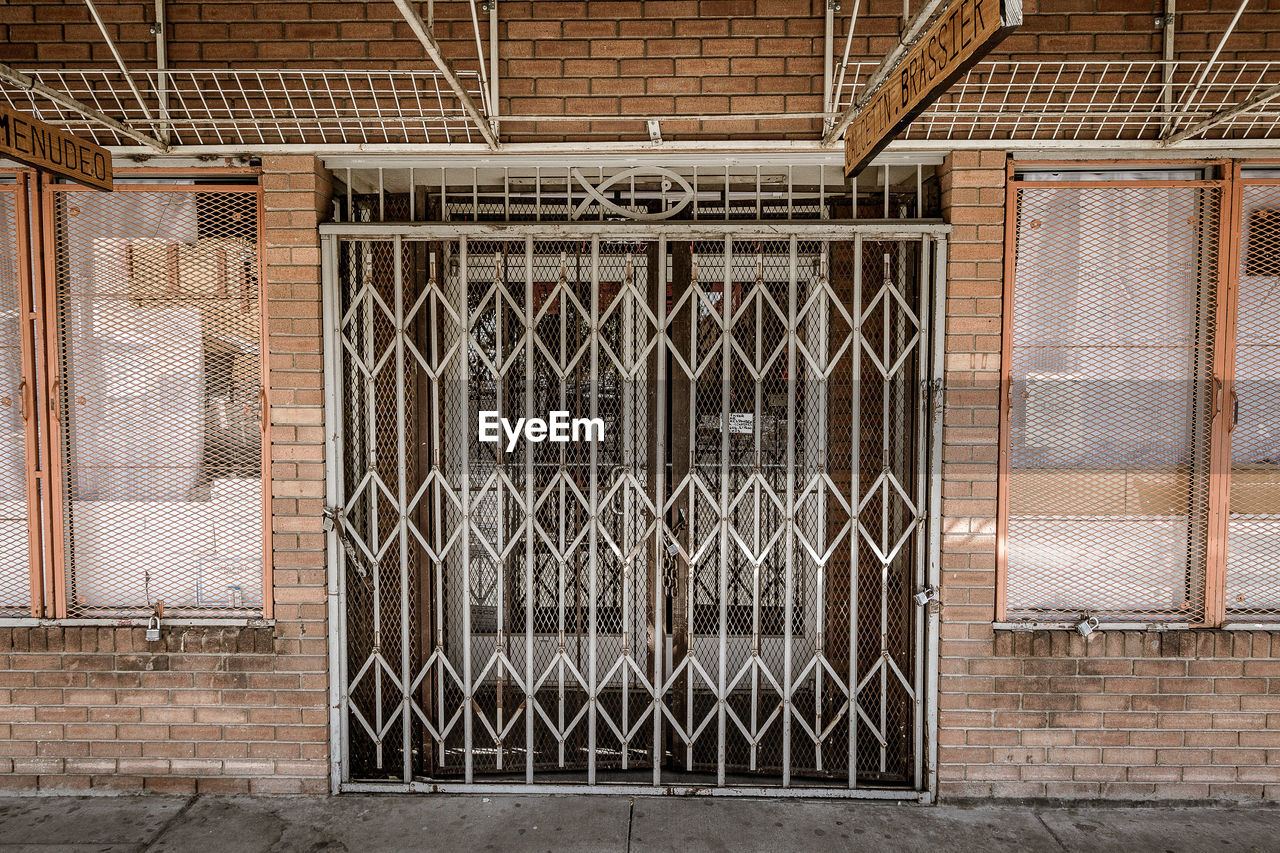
(31, 141)
(961, 35)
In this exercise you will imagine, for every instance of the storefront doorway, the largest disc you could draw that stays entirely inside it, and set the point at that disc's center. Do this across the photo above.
(679, 602)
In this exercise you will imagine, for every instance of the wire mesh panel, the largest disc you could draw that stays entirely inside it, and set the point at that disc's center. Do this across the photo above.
(1111, 400)
(15, 530)
(675, 600)
(1253, 535)
(160, 400)
(889, 509)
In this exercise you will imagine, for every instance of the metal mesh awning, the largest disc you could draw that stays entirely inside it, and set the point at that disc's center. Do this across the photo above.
(1093, 101)
(261, 106)
(999, 100)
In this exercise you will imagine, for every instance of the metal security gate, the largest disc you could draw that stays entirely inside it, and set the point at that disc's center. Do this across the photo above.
(727, 589)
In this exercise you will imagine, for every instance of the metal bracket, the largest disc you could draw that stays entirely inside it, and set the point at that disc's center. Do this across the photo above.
(333, 518)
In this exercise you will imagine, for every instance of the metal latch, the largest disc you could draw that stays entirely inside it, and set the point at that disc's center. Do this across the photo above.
(333, 521)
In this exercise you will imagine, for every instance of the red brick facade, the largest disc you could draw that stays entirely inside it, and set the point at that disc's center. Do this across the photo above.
(1133, 715)
(1121, 715)
(614, 58)
(231, 709)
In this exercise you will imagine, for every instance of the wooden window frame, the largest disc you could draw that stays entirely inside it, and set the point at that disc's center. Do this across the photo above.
(49, 559)
(1227, 286)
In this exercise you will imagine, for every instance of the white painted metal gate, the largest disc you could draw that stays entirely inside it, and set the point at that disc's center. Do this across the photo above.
(680, 604)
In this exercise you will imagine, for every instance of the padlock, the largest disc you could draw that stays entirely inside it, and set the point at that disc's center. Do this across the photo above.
(153, 629)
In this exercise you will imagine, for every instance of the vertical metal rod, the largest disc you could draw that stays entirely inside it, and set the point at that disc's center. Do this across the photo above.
(627, 387)
(726, 377)
(884, 177)
(935, 512)
(594, 509)
(791, 191)
(464, 483)
(726, 193)
(563, 521)
(500, 308)
(828, 61)
(162, 70)
(822, 193)
(494, 111)
(1166, 89)
(660, 503)
(335, 598)
(371, 460)
(790, 546)
(924, 383)
(437, 499)
(820, 326)
(691, 497)
(886, 430)
(402, 522)
(529, 491)
(919, 191)
(855, 496)
(757, 413)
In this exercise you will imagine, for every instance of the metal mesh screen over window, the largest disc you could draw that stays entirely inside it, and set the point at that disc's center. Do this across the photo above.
(160, 400)
(1111, 400)
(1253, 534)
(15, 564)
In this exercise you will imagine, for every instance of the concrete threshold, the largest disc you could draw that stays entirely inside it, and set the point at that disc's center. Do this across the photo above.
(509, 824)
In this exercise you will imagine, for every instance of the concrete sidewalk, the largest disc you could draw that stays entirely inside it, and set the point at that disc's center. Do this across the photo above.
(509, 824)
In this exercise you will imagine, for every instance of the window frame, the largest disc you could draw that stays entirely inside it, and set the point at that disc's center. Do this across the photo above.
(49, 555)
(1226, 284)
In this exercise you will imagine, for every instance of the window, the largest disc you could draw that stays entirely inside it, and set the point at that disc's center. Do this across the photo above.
(154, 417)
(1253, 521)
(1121, 407)
(20, 574)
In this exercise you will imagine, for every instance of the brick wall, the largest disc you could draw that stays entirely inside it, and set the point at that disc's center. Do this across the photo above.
(1134, 715)
(206, 708)
(608, 57)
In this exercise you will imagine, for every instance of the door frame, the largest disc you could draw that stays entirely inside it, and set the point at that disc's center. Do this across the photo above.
(933, 241)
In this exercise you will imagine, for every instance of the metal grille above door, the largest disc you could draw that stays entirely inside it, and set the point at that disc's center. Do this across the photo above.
(718, 592)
